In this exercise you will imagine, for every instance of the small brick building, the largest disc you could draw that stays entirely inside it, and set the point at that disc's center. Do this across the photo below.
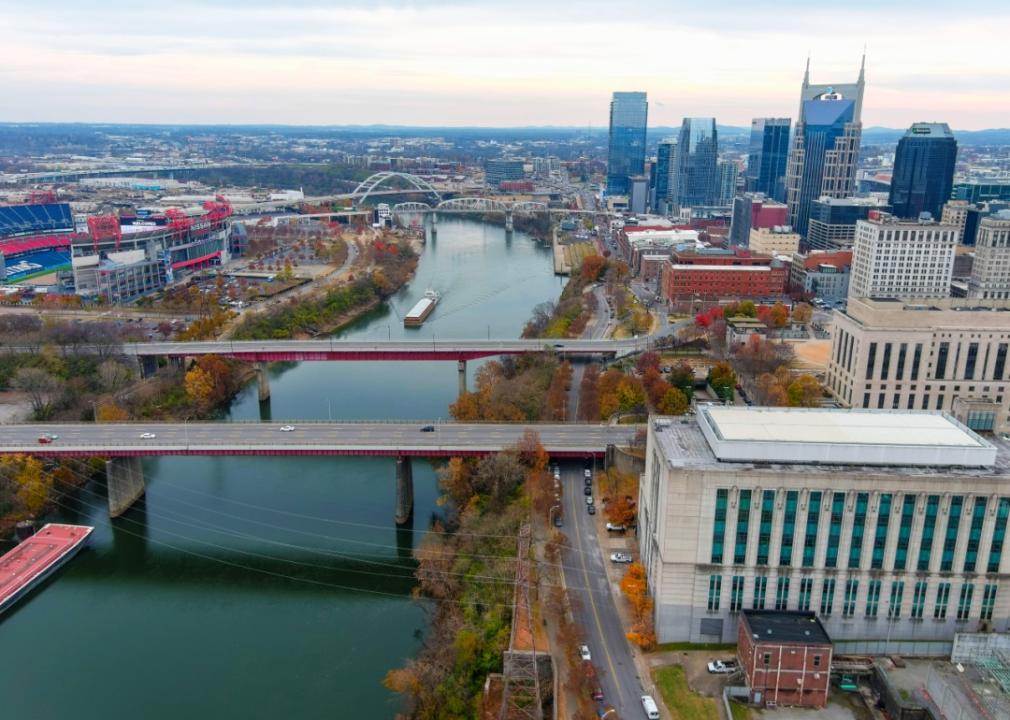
(785, 656)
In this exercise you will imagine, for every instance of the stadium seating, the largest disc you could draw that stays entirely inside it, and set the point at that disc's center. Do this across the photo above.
(35, 219)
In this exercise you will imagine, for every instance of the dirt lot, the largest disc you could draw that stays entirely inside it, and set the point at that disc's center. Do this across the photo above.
(695, 664)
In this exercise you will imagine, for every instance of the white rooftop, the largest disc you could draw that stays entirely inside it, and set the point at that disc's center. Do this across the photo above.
(847, 437)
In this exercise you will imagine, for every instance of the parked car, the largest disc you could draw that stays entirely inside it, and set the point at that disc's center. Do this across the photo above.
(589, 482)
(619, 557)
(588, 490)
(649, 705)
(613, 527)
(591, 509)
(597, 694)
(588, 474)
(584, 653)
(589, 500)
(722, 666)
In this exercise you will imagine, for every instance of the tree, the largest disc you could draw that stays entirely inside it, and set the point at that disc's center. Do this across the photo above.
(682, 377)
(199, 385)
(589, 398)
(630, 394)
(804, 391)
(673, 402)
(802, 313)
(646, 361)
(109, 411)
(722, 378)
(42, 388)
(113, 375)
(778, 317)
(592, 267)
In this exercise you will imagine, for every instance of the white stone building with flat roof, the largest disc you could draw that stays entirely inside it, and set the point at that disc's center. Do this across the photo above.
(890, 526)
(990, 271)
(902, 259)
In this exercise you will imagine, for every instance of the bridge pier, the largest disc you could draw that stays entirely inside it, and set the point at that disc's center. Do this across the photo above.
(125, 479)
(434, 220)
(263, 380)
(461, 367)
(508, 221)
(404, 490)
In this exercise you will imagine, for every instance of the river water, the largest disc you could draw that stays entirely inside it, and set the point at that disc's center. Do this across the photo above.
(268, 587)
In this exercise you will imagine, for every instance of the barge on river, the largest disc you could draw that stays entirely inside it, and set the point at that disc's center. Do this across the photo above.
(29, 564)
(420, 312)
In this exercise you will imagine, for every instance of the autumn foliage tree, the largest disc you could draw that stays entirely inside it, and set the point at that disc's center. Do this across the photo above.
(634, 585)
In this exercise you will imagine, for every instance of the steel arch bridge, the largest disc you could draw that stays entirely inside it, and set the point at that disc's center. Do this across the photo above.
(373, 183)
(472, 204)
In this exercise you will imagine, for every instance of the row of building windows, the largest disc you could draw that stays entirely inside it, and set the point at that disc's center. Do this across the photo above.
(871, 607)
(931, 538)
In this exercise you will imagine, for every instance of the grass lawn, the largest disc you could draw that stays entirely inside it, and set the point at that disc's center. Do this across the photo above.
(680, 701)
(740, 712)
(693, 646)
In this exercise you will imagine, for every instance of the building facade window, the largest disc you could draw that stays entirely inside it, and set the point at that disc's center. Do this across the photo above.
(782, 593)
(964, 601)
(885, 363)
(871, 358)
(899, 372)
(950, 537)
(849, 604)
(999, 367)
(904, 532)
(788, 528)
(806, 590)
(742, 523)
(872, 598)
(714, 592)
(810, 535)
(880, 533)
(897, 593)
(928, 532)
(942, 598)
(835, 529)
(974, 534)
(719, 526)
(736, 594)
(760, 592)
(998, 536)
(827, 596)
(919, 599)
(916, 358)
(988, 601)
(858, 530)
(970, 360)
(765, 526)
(941, 360)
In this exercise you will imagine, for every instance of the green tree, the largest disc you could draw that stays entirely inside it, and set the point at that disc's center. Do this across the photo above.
(673, 402)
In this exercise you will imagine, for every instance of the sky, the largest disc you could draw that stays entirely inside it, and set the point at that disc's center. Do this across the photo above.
(498, 64)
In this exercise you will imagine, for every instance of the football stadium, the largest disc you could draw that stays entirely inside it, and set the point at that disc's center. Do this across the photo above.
(34, 240)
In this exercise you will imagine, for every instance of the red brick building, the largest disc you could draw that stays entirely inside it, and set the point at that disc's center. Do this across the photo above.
(785, 656)
(714, 274)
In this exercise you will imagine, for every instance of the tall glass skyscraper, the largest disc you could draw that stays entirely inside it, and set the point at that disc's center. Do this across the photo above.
(696, 182)
(822, 160)
(629, 113)
(766, 162)
(923, 170)
(666, 158)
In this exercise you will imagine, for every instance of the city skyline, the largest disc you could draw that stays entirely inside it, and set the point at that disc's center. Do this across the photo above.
(471, 64)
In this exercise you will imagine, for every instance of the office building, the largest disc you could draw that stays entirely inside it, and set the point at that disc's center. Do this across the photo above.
(821, 274)
(965, 217)
(638, 194)
(696, 180)
(888, 525)
(501, 170)
(976, 193)
(990, 272)
(717, 274)
(666, 162)
(822, 160)
(923, 171)
(753, 211)
(892, 258)
(833, 221)
(728, 172)
(777, 240)
(785, 656)
(629, 114)
(766, 161)
(949, 355)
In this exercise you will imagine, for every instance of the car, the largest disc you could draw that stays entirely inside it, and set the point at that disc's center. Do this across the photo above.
(588, 490)
(428, 428)
(620, 557)
(591, 509)
(557, 475)
(589, 500)
(722, 666)
(287, 428)
(649, 705)
(584, 652)
(147, 436)
(614, 527)
(44, 439)
(587, 474)
(557, 521)
(589, 482)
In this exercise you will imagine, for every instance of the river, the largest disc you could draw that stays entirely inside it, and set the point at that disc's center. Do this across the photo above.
(268, 587)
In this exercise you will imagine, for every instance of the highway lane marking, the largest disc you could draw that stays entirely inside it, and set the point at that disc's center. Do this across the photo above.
(592, 602)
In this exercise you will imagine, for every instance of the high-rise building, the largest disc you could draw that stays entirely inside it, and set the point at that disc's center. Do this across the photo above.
(965, 217)
(923, 170)
(498, 171)
(696, 180)
(728, 172)
(629, 114)
(990, 273)
(753, 210)
(825, 147)
(666, 159)
(833, 221)
(766, 162)
(638, 194)
(892, 258)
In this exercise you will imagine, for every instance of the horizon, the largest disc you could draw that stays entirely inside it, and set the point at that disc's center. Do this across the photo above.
(476, 66)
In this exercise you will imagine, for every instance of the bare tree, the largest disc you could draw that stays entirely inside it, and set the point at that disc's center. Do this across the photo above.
(42, 388)
(114, 375)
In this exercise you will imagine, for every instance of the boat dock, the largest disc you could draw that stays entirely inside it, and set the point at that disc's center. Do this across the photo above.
(36, 558)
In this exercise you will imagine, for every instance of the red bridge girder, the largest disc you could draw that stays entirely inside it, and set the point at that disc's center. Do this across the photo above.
(292, 452)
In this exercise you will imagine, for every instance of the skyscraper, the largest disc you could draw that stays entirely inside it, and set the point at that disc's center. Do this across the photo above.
(728, 172)
(822, 161)
(696, 181)
(923, 170)
(629, 113)
(666, 163)
(766, 162)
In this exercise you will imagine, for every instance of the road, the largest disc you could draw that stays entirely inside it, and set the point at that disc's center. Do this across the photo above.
(307, 438)
(593, 601)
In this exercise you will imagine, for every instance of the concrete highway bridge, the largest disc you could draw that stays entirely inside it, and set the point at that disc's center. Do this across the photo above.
(124, 444)
(264, 351)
